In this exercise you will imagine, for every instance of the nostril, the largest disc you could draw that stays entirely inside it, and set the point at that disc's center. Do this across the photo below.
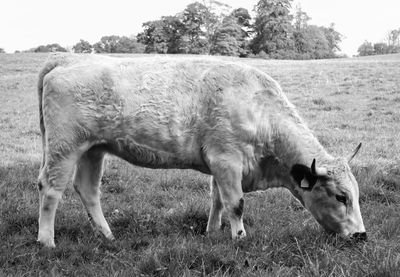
(360, 236)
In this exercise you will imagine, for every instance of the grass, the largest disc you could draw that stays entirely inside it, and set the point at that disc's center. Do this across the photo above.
(159, 216)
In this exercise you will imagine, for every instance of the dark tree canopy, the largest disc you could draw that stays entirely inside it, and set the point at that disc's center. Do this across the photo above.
(242, 17)
(54, 47)
(314, 42)
(197, 30)
(228, 38)
(166, 35)
(381, 48)
(153, 37)
(82, 46)
(366, 49)
(272, 26)
(117, 44)
(194, 18)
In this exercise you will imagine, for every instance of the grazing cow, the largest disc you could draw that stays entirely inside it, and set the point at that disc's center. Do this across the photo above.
(221, 118)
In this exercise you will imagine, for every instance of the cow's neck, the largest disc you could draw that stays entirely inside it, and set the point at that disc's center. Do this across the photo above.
(295, 144)
(289, 144)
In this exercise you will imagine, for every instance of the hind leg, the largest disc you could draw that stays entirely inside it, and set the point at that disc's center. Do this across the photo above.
(53, 180)
(87, 184)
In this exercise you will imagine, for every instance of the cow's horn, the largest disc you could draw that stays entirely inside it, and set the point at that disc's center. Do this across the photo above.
(318, 171)
(354, 153)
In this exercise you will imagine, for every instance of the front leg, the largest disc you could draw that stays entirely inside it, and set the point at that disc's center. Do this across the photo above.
(228, 178)
(234, 204)
(214, 218)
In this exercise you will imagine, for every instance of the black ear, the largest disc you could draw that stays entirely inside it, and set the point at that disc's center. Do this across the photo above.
(303, 176)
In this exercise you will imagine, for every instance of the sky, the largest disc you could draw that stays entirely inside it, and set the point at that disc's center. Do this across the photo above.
(26, 24)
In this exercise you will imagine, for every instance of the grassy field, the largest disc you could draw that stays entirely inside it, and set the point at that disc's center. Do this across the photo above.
(159, 216)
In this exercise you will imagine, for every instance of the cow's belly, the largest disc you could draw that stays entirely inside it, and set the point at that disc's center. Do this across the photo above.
(153, 147)
(144, 156)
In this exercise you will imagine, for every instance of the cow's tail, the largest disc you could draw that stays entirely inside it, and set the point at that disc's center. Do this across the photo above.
(49, 66)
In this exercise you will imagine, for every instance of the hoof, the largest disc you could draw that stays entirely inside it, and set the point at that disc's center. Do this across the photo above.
(212, 234)
(104, 235)
(48, 243)
(212, 229)
(110, 237)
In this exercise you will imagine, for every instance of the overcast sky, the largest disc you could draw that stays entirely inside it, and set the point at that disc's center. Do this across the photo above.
(28, 23)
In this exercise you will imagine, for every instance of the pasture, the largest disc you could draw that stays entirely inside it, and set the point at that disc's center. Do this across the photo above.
(159, 217)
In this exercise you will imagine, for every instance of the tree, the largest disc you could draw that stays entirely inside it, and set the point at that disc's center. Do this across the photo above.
(153, 37)
(54, 47)
(392, 45)
(393, 39)
(206, 27)
(334, 37)
(174, 33)
(197, 30)
(82, 46)
(107, 44)
(117, 44)
(231, 36)
(164, 36)
(218, 9)
(194, 18)
(272, 26)
(242, 17)
(301, 33)
(2, 50)
(381, 48)
(366, 49)
(213, 17)
(228, 38)
(129, 45)
(301, 19)
(311, 41)
(320, 43)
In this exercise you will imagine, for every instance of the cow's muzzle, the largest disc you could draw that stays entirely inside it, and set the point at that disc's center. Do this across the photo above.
(359, 236)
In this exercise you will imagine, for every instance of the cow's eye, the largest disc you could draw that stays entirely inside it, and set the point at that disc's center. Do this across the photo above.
(341, 198)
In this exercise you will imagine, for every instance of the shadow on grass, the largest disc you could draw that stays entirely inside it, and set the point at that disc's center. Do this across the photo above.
(191, 220)
(188, 256)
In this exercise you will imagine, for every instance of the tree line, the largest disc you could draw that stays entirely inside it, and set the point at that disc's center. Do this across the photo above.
(274, 32)
(212, 27)
(390, 46)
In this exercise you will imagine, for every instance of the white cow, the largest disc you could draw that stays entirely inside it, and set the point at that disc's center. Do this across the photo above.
(221, 118)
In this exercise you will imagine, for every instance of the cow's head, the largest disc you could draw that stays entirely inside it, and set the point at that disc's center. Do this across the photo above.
(330, 192)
